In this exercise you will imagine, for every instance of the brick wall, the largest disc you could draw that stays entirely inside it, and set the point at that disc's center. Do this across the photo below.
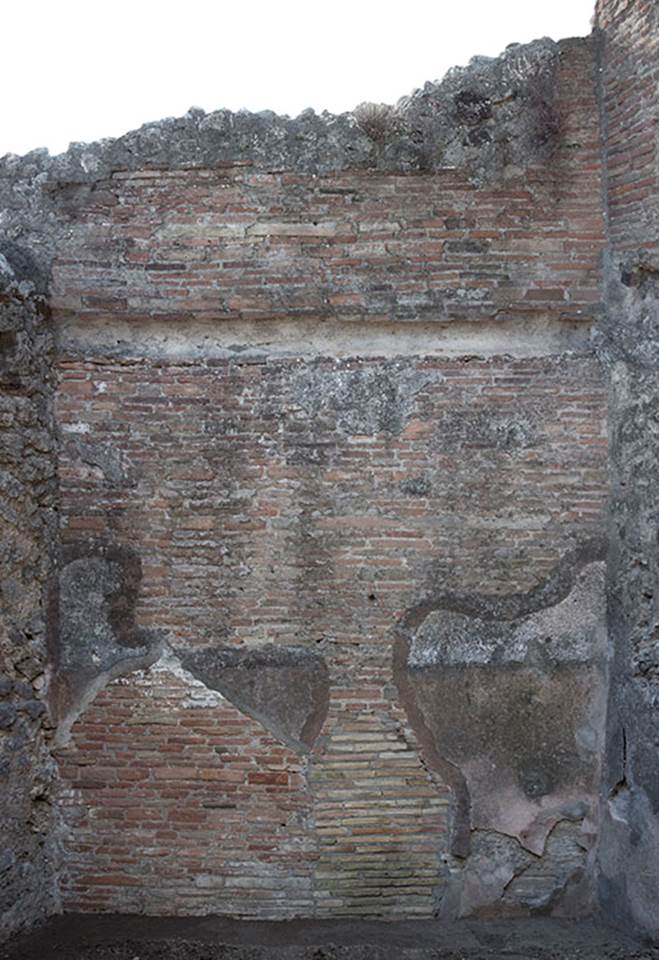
(238, 243)
(629, 93)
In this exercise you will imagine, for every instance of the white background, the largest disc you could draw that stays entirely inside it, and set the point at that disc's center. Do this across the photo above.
(86, 69)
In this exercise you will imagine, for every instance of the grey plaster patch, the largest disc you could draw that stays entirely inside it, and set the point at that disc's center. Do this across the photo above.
(105, 458)
(93, 634)
(286, 688)
(460, 429)
(507, 695)
(416, 486)
(628, 878)
(632, 292)
(572, 631)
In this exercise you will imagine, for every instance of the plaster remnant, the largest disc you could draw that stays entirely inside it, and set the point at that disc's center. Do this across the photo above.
(359, 401)
(286, 688)
(572, 631)
(532, 669)
(103, 457)
(111, 336)
(93, 634)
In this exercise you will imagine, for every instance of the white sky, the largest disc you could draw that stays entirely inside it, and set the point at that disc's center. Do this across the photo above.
(86, 69)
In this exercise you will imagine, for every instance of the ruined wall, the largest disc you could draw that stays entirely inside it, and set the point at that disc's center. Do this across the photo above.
(28, 860)
(629, 875)
(327, 635)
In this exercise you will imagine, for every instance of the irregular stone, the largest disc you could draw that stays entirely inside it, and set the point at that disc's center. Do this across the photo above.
(33, 708)
(528, 745)
(8, 714)
(30, 857)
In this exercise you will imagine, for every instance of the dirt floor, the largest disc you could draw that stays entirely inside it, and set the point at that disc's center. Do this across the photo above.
(76, 937)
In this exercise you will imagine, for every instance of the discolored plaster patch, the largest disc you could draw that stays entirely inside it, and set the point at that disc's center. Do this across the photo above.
(507, 696)
(93, 635)
(502, 878)
(359, 400)
(286, 688)
(103, 457)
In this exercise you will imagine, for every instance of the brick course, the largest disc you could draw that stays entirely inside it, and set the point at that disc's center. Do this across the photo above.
(344, 417)
(260, 522)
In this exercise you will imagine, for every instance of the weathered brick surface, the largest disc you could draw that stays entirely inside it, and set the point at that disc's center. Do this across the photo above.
(327, 633)
(178, 803)
(308, 502)
(629, 94)
(313, 504)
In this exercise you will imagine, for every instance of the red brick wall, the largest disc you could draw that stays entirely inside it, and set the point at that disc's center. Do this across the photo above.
(176, 801)
(259, 520)
(248, 508)
(631, 112)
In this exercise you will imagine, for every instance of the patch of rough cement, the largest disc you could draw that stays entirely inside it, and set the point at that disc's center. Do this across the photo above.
(102, 457)
(93, 634)
(572, 631)
(502, 877)
(285, 688)
(235, 339)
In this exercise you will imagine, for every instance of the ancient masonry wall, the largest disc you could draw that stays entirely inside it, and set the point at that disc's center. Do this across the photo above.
(28, 854)
(629, 871)
(327, 625)
(364, 591)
